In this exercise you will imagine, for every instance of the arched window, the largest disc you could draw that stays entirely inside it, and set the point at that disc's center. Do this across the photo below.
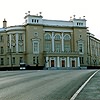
(67, 37)
(57, 37)
(47, 37)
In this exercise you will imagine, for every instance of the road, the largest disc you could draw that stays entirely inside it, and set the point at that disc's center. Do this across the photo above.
(41, 85)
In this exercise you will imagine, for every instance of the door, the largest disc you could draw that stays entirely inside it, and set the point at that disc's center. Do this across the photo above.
(63, 63)
(52, 63)
(73, 63)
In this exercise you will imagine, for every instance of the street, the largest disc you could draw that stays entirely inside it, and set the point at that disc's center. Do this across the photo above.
(41, 85)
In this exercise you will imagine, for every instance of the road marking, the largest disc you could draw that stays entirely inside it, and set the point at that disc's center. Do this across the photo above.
(79, 90)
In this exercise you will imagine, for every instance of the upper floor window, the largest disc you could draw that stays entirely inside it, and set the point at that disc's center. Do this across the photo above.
(20, 36)
(47, 37)
(57, 37)
(58, 47)
(35, 47)
(67, 37)
(80, 47)
(47, 46)
(1, 38)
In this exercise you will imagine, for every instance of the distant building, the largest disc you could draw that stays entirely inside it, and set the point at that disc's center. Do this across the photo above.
(48, 43)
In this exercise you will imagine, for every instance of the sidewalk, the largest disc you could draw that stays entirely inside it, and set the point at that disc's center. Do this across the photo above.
(92, 90)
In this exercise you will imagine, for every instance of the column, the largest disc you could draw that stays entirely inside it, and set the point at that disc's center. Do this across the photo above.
(78, 60)
(68, 62)
(53, 41)
(16, 42)
(47, 62)
(10, 40)
(62, 42)
(58, 62)
(24, 41)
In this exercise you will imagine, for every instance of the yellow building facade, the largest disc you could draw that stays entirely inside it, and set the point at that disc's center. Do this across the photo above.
(48, 44)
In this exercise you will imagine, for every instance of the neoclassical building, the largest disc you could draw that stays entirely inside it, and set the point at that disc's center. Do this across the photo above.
(48, 43)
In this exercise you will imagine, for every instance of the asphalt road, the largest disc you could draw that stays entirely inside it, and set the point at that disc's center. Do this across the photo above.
(41, 85)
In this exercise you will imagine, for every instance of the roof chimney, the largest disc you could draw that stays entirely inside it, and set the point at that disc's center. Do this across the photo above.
(4, 23)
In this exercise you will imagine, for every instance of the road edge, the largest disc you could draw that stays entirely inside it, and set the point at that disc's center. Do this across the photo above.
(80, 89)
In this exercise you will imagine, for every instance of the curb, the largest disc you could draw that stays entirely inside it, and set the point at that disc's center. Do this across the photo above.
(80, 89)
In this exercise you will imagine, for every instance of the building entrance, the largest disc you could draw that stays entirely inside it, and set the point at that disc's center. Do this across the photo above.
(52, 63)
(73, 63)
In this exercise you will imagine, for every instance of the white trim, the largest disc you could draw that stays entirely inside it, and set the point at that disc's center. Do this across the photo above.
(62, 42)
(53, 41)
(68, 62)
(16, 42)
(47, 62)
(57, 30)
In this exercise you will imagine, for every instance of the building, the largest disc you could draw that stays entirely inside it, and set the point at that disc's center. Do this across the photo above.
(48, 43)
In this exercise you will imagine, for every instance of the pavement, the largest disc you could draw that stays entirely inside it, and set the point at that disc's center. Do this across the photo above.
(91, 91)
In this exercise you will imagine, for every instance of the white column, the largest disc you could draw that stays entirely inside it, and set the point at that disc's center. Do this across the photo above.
(58, 62)
(62, 43)
(16, 42)
(53, 41)
(24, 41)
(47, 62)
(68, 62)
(10, 40)
(78, 61)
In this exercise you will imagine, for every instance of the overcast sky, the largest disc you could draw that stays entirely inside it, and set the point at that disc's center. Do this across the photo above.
(14, 11)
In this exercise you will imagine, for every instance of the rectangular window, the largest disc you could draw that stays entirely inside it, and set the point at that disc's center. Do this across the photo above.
(1, 38)
(8, 61)
(48, 47)
(20, 49)
(67, 47)
(13, 49)
(35, 47)
(2, 61)
(33, 60)
(2, 50)
(21, 60)
(81, 60)
(80, 47)
(20, 36)
(13, 60)
(58, 47)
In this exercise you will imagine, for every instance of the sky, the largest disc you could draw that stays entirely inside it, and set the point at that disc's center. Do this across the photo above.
(14, 11)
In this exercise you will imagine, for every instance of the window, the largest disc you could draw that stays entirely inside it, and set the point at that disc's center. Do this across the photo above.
(8, 61)
(57, 37)
(2, 61)
(35, 47)
(21, 59)
(2, 50)
(20, 36)
(20, 48)
(57, 47)
(13, 49)
(81, 60)
(47, 37)
(33, 60)
(48, 47)
(67, 37)
(67, 47)
(13, 60)
(1, 38)
(80, 48)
